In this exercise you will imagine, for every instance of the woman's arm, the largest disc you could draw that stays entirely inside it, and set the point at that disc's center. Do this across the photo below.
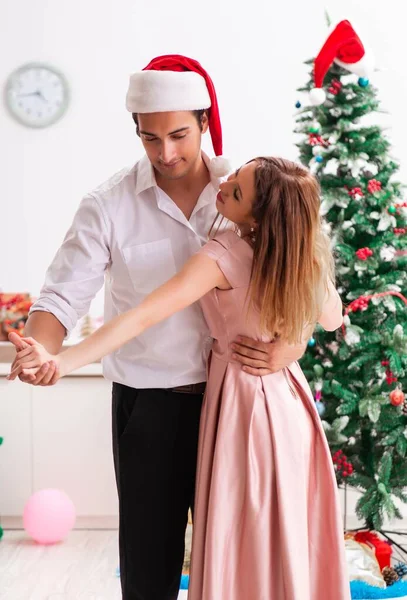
(331, 317)
(199, 275)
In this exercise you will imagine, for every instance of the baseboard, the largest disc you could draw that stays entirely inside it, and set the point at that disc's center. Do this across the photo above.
(82, 522)
(112, 522)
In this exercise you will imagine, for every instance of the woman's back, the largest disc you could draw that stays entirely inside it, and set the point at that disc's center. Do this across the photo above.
(265, 479)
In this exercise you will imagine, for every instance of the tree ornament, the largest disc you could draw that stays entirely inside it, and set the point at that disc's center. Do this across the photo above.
(361, 304)
(363, 82)
(342, 466)
(374, 186)
(311, 342)
(355, 193)
(390, 377)
(392, 210)
(335, 87)
(298, 104)
(364, 253)
(319, 159)
(320, 406)
(397, 397)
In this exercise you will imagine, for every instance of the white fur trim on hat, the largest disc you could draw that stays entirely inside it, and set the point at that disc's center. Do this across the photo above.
(166, 91)
(363, 68)
(317, 96)
(220, 166)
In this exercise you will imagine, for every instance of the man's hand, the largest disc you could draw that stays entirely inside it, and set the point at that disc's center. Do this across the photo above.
(46, 374)
(263, 358)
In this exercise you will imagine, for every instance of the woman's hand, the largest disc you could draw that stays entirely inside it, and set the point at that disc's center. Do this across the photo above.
(29, 360)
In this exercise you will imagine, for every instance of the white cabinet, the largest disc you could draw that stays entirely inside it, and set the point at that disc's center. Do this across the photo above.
(57, 437)
(16, 451)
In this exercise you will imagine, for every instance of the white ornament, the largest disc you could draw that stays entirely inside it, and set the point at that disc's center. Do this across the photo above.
(317, 150)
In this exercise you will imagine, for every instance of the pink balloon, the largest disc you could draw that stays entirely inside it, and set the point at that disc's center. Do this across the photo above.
(49, 516)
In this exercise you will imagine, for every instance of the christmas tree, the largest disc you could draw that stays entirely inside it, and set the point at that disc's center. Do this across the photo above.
(359, 372)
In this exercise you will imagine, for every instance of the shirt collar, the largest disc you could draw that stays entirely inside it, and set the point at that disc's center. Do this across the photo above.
(146, 177)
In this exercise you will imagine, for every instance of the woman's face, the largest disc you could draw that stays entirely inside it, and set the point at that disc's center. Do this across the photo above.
(236, 196)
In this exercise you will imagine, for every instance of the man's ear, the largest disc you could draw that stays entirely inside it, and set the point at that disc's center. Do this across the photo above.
(205, 122)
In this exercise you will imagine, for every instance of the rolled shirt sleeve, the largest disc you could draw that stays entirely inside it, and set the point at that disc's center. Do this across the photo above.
(77, 272)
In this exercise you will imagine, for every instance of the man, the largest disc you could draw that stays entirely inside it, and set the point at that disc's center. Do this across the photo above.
(133, 233)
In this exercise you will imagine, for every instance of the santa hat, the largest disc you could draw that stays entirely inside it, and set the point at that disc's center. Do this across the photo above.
(172, 83)
(345, 48)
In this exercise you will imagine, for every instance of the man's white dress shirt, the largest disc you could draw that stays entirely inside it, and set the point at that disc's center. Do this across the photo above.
(131, 236)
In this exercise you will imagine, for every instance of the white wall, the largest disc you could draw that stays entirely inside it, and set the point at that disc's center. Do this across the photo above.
(254, 52)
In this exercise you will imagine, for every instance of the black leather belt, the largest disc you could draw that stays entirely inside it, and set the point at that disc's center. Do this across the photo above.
(192, 388)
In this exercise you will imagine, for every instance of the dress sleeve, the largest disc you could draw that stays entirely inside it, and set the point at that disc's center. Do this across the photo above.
(226, 250)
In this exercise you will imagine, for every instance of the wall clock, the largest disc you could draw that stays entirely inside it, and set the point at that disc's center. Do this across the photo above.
(37, 95)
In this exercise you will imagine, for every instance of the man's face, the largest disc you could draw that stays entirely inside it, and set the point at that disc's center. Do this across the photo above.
(172, 141)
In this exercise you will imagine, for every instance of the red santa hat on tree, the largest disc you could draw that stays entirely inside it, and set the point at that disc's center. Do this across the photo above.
(172, 83)
(345, 48)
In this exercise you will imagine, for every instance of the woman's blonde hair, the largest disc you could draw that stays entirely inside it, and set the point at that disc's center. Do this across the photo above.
(292, 261)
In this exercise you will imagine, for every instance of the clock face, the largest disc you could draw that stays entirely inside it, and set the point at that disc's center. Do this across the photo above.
(37, 95)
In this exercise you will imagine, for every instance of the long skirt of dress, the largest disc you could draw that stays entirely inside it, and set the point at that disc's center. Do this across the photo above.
(267, 523)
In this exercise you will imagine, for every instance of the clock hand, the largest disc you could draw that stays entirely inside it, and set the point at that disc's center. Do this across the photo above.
(25, 95)
(37, 93)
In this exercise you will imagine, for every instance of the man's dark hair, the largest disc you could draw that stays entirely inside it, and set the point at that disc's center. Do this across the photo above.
(198, 114)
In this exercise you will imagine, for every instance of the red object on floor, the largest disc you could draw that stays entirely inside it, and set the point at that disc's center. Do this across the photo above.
(382, 548)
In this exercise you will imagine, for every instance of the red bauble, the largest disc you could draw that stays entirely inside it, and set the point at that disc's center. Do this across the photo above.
(397, 397)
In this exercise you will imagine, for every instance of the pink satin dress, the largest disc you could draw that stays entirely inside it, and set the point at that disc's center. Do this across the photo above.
(267, 523)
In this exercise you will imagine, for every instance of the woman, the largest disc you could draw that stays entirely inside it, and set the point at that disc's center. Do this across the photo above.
(267, 521)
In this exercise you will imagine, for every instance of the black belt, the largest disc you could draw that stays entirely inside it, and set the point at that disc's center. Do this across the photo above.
(192, 388)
